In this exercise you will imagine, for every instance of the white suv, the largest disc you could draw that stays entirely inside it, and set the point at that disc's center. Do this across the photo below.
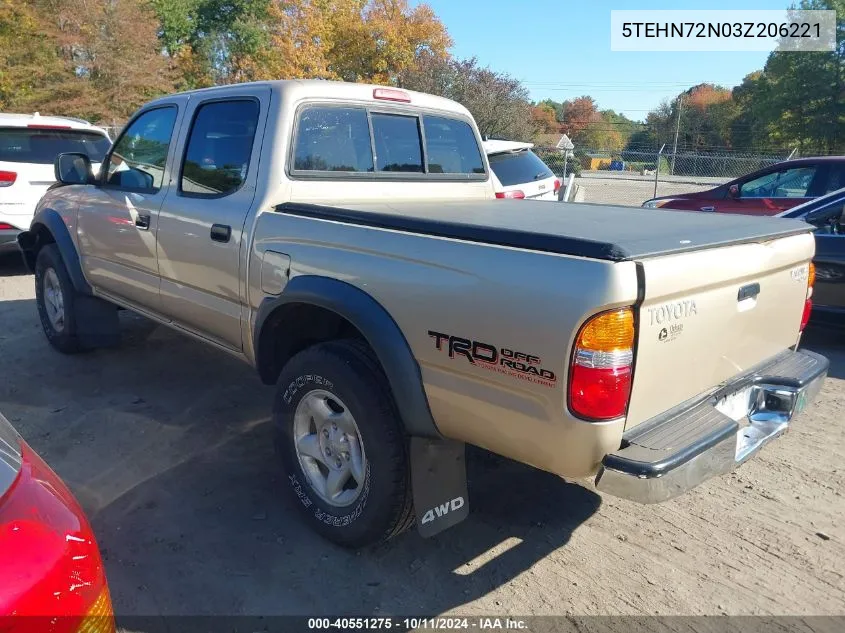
(29, 144)
(518, 172)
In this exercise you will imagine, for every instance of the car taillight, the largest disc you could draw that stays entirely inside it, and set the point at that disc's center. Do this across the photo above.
(7, 178)
(52, 576)
(510, 194)
(602, 366)
(6, 227)
(808, 302)
(557, 185)
(45, 126)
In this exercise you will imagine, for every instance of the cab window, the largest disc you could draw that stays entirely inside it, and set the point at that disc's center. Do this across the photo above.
(452, 147)
(398, 143)
(363, 141)
(138, 159)
(333, 139)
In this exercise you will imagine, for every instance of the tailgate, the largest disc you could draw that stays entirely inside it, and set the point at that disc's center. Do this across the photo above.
(708, 315)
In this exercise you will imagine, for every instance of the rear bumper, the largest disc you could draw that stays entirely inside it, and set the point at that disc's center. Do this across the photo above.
(9, 240)
(676, 451)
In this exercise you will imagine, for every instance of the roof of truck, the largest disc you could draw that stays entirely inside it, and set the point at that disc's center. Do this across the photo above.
(297, 89)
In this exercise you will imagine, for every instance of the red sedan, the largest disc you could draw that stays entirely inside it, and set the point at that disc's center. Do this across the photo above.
(767, 191)
(51, 575)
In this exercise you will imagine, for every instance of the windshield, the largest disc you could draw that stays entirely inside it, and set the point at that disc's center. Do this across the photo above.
(516, 168)
(41, 146)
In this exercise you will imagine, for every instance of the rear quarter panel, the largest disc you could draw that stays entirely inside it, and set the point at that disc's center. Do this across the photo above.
(522, 301)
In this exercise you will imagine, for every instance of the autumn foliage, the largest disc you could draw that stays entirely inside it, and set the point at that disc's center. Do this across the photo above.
(100, 59)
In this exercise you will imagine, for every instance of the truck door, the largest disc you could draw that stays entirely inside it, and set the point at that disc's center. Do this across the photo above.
(118, 216)
(201, 228)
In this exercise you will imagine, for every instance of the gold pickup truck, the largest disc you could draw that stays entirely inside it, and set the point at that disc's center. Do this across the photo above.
(345, 240)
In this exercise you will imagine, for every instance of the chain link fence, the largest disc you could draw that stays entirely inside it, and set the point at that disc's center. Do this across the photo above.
(630, 177)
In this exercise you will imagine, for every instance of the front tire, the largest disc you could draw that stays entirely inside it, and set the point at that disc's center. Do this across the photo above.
(342, 445)
(55, 297)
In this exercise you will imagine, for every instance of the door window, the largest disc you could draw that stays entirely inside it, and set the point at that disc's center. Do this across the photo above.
(835, 178)
(219, 148)
(138, 159)
(787, 183)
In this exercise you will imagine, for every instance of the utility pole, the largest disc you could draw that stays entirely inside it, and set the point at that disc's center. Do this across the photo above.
(677, 130)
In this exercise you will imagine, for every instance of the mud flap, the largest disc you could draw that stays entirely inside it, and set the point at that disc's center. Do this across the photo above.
(96, 322)
(439, 482)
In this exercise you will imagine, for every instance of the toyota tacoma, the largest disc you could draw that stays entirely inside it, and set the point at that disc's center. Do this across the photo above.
(345, 240)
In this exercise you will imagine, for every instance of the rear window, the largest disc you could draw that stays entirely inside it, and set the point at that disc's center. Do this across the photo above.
(333, 139)
(398, 143)
(32, 145)
(516, 168)
(452, 148)
(358, 140)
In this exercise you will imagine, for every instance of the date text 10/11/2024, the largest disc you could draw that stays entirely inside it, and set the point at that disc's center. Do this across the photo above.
(417, 623)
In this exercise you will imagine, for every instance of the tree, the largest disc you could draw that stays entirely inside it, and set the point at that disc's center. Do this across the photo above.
(544, 120)
(112, 53)
(29, 61)
(797, 100)
(578, 114)
(212, 41)
(384, 39)
(498, 102)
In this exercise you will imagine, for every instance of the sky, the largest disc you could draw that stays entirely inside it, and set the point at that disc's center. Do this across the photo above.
(561, 50)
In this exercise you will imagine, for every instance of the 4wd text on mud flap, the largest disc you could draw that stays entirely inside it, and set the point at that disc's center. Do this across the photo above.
(505, 360)
(443, 509)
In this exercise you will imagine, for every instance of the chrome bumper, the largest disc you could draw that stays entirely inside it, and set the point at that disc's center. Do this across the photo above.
(664, 457)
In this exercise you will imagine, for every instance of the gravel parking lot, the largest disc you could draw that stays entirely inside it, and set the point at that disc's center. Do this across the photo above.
(633, 189)
(167, 444)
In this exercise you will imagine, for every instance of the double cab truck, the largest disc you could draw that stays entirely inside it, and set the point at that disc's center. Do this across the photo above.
(346, 241)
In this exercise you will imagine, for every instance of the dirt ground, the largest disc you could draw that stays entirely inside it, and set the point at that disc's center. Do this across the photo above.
(607, 188)
(167, 445)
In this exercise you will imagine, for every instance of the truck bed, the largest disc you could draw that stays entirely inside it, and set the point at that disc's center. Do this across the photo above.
(605, 232)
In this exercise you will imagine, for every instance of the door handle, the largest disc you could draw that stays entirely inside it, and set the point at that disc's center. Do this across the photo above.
(143, 222)
(221, 232)
(708, 208)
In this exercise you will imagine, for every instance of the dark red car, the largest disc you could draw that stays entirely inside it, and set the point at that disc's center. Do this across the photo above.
(767, 191)
(51, 574)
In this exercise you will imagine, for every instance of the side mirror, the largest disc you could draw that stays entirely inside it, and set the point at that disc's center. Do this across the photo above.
(73, 169)
(733, 191)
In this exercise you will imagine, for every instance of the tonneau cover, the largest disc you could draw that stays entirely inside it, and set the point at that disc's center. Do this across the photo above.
(595, 231)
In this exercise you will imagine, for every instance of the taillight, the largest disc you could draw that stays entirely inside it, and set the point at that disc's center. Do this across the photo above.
(808, 302)
(510, 194)
(51, 572)
(7, 178)
(602, 366)
(557, 185)
(391, 94)
(45, 126)
(6, 227)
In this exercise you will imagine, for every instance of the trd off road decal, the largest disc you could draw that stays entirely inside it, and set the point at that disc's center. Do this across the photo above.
(499, 359)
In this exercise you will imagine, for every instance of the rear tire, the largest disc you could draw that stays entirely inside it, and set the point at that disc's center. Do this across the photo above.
(334, 413)
(55, 297)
